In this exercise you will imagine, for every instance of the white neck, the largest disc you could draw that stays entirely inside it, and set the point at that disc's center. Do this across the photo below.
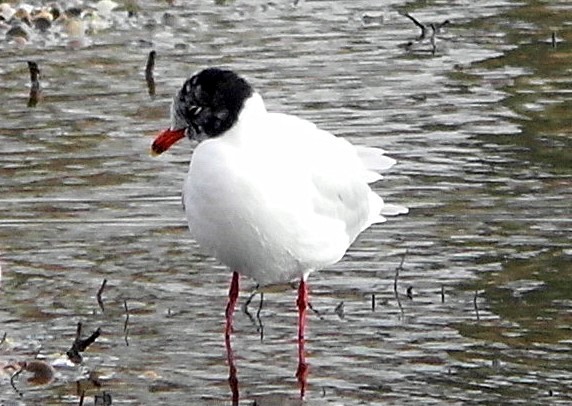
(254, 105)
(251, 111)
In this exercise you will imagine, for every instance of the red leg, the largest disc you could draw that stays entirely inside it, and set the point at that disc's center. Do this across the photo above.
(302, 302)
(232, 376)
(232, 298)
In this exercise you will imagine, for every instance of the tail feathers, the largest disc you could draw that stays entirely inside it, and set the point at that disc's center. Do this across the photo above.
(371, 176)
(373, 158)
(374, 161)
(378, 209)
(393, 209)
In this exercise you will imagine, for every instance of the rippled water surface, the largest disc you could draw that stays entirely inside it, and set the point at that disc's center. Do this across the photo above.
(481, 127)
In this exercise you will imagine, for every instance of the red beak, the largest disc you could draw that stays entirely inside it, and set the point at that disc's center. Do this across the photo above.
(165, 140)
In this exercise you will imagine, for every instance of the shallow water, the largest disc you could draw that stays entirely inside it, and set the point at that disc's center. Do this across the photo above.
(481, 130)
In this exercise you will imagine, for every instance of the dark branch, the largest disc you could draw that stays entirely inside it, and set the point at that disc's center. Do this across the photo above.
(149, 78)
(260, 325)
(418, 24)
(317, 312)
(476, 305)
(410, 292)
(99, 293)
(339, 310)
(80, 345)
(34, 72)
(125, 329)
(35, 90)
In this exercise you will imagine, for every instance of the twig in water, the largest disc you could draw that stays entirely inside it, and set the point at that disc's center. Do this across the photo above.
(34, 73)
(410, 292)
(247, 303)
(418, 24)
(83, 344)
(125, 329)
(400, 267)
(78, 331)
(442, 293)
(150, 64)
(14, 375)
(476, 305)
(126, 337)
(433, 41)
(339, 310)
(3, 338)
(553, 39)
(98, 296)
(373, 302)
(80, 345)
(257, 321)
(317, 312)
(35, 89)
(149, 78)
(435, 28)
(438, 26)
(126, 314)
(260, 325)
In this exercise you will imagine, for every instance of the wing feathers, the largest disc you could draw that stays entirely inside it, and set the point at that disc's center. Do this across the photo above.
(373, 158)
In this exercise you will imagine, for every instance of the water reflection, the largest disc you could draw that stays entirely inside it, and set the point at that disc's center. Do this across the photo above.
(232, 372)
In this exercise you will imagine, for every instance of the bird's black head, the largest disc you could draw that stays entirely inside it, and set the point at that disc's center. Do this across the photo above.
(209, 103)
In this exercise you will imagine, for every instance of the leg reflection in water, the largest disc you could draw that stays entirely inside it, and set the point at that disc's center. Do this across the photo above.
(302, 369)
(232, 377)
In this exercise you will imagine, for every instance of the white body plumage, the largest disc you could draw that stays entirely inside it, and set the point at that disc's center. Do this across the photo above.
(275, 198)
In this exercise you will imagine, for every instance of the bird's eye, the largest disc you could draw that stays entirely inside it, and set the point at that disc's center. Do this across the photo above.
(195, 110)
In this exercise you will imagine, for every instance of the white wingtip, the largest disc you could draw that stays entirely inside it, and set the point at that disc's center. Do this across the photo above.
(393, 210)
(373, 158)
